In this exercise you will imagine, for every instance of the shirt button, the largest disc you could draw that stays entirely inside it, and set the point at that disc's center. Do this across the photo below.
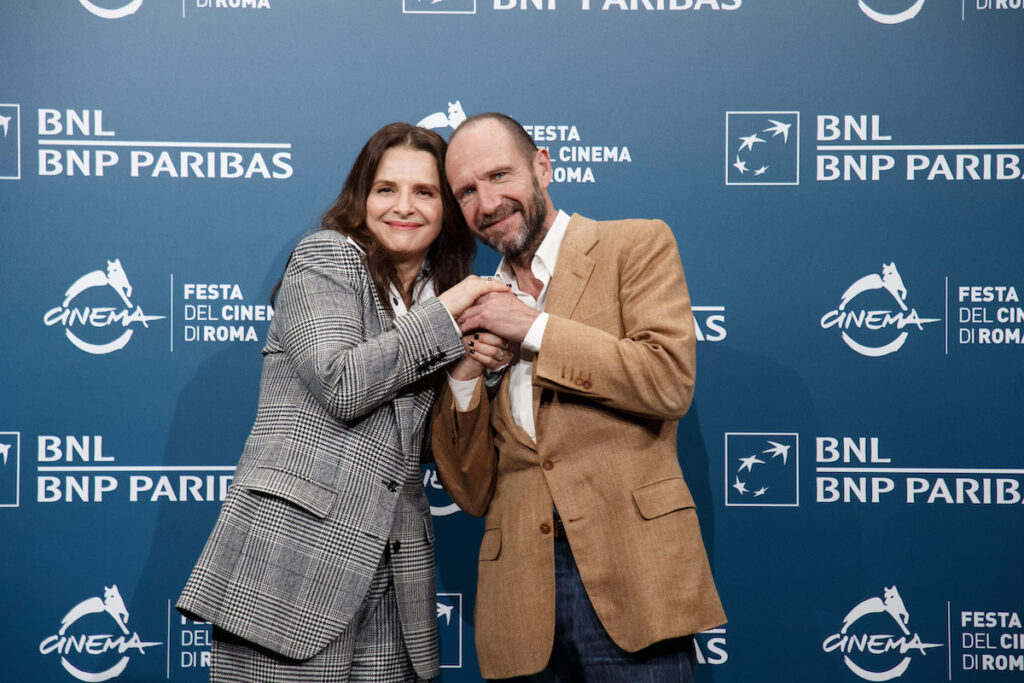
(548, 465)
(545, 528)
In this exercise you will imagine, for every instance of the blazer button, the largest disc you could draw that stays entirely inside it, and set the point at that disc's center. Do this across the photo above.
(545, 528)
(548, 465)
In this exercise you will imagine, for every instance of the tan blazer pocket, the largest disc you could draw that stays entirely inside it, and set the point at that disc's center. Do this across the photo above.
(311, 497)
(663, 497)
(490, 545)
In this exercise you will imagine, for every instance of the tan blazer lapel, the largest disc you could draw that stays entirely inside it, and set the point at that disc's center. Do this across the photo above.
(569, 279)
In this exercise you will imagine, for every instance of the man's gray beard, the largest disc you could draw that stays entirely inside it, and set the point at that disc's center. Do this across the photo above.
(531, 230)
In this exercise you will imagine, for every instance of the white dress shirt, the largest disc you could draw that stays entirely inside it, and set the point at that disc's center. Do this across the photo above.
(520, 384)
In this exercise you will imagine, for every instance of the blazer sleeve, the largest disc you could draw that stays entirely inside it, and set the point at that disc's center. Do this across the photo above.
(463, 448)
(649, 370)
(320, 316)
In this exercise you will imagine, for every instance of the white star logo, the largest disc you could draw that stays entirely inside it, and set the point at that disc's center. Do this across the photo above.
(4, 450)
(779, 128)
(777, 449)
(445, 611)
(748, 463)
(740, 486)
(748, 142)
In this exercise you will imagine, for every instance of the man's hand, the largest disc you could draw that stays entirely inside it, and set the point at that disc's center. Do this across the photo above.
(500, 313)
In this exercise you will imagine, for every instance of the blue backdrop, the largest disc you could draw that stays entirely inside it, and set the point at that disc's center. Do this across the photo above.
(844, 180)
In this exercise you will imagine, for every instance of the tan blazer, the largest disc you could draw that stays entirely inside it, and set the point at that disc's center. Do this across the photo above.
(614, 374)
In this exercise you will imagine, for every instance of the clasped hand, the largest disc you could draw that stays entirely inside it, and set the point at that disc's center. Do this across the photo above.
(493, 322)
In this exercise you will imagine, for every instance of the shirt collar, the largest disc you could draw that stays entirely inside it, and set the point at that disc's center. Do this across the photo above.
(546, 258)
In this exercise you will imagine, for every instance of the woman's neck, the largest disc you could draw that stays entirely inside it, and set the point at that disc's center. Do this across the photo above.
(407, 272)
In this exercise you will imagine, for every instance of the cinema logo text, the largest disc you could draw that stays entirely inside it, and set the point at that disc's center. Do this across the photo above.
(866, 642)
(92, 320)
(80, 142)
(217, 312)
(884, 330)
(86, 650)
(572, 160)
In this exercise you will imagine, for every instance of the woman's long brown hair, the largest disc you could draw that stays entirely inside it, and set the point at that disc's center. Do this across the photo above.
(451, 254)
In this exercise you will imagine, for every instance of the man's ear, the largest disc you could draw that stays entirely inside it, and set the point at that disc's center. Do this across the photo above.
(542, 167)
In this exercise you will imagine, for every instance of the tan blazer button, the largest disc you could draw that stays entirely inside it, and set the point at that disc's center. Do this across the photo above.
(548, 465)
(545, 528)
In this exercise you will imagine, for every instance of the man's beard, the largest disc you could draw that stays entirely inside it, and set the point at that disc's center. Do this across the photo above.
(534, 216)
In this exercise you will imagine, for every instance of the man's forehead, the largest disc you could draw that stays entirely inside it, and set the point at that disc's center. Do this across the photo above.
(480, 136)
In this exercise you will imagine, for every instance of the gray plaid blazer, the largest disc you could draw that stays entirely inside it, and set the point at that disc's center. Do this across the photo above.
(330, 472)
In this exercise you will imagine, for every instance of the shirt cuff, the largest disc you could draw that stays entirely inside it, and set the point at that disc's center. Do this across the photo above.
(462, 390)
(536, 332)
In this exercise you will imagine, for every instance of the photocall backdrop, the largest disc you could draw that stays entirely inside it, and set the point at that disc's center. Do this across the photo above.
(844, 180)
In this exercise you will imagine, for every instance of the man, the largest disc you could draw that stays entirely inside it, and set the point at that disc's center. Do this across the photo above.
(591, 565)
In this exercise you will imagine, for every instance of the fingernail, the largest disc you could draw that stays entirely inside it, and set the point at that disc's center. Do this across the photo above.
(476, 336)
(470, 343)
(472, 350)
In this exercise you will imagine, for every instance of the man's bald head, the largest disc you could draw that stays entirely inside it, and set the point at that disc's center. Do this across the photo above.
(516, 133)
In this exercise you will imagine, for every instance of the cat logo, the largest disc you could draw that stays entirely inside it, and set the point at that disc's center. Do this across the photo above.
(877, 323)
(82, 640)
(440, 120)
(438, 6)
(99, 317)
(893, 18)
(116, 13)
(882, 656)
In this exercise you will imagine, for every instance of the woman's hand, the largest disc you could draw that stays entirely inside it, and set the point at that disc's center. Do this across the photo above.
(461, 296)
(484, 351)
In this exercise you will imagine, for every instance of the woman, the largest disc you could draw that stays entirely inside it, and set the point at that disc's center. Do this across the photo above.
(320, 566)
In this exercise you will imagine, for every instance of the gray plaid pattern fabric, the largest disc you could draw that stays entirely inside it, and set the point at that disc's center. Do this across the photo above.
(330, 472)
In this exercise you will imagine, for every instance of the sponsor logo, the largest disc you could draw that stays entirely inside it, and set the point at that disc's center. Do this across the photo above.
(880, 330)
(80, 142)
(10, 142)
(762, 148)
(890, 17)
(86, 311)
(440, 504)
(75, 469)
(762, 469)
(438, 6)
(84, 644)
(855, 470)
(10, 469)
(854, 148)
(449, 629)
(709, 323)
(118, 11)
(233, 4)
(866, 640)
(710, 646)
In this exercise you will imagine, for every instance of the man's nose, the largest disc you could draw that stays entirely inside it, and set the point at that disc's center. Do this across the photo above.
(489, 200)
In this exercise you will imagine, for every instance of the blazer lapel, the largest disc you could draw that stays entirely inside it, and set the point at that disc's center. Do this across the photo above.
(570, 277)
